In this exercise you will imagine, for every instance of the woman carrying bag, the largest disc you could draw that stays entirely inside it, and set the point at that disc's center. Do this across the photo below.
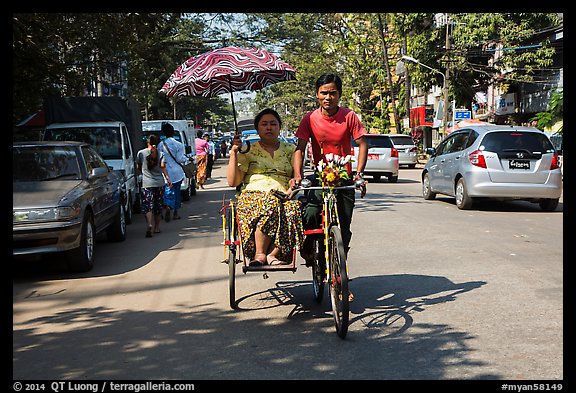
(174, 156)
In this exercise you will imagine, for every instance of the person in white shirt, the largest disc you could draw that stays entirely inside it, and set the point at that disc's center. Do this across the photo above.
(174, 156)
(211, 154)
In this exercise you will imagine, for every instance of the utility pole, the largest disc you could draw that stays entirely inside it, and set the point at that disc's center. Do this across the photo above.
(407, 83)
(446, 75)
(389, 76)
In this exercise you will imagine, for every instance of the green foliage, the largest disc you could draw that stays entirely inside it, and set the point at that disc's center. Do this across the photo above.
(553, 114)
(65, 54)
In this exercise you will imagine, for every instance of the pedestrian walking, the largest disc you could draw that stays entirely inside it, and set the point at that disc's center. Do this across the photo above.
(174, 157)
(202, 150)
(223, 148)
(151, 163)
(211, 155)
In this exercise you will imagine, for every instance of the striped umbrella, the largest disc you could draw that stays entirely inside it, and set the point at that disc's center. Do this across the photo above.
(226, 70)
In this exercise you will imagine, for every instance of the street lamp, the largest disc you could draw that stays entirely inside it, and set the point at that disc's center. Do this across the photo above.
(445, 93)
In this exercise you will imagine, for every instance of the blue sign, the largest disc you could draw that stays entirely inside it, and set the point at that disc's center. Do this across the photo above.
(459, 115)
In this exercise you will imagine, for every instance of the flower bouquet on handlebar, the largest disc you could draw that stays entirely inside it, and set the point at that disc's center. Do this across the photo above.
(332, 171)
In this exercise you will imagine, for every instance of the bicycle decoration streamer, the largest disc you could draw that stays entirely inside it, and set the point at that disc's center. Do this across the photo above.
(332, 171)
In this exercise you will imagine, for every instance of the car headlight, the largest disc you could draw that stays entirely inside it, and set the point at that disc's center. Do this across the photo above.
(45, 214)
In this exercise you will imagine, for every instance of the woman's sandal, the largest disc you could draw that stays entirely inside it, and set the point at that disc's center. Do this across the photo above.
(273, 261)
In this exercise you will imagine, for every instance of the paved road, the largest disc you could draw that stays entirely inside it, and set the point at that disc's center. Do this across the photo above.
(441, 294)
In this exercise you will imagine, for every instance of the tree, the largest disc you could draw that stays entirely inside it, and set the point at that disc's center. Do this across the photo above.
(554, 113)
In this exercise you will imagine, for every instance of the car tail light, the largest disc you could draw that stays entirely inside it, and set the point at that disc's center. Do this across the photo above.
(477, 158)
(555, 163)
(412, 150)
(393, 152)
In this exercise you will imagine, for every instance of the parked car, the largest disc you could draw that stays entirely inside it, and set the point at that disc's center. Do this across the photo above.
(382, 157)
(64, 194)
(494, 161)
(407, 151)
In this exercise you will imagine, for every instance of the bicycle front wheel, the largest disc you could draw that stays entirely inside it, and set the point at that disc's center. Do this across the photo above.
(338, 281)
(318, 269)
(231, 234)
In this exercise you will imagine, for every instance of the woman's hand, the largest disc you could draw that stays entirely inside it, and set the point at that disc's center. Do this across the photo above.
(236, 143)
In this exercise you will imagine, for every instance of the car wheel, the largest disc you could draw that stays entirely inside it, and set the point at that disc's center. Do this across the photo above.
(426, 188)
(81, 259)
(463, 201)
(393, 179)
(548, 205)
(116, 232)
(376, 177)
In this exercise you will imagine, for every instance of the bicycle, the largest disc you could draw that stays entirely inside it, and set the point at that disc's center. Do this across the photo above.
(327, 246)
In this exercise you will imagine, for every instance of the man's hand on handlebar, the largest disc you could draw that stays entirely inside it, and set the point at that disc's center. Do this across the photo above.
(294, 182)
(360, 183)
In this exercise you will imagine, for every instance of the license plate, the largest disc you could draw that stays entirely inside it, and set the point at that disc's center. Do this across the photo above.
(373, 156)
(519, 164)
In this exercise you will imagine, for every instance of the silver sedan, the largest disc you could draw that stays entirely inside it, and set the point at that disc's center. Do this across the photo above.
(494, 161)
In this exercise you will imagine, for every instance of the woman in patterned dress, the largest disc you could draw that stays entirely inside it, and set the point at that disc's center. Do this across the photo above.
(270, 228)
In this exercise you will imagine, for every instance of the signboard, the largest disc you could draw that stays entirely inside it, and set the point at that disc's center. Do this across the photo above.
(505, 104)
(462, 114)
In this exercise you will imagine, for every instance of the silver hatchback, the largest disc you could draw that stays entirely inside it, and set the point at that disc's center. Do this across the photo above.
(382, 157)
(407, 151)
(495, 161)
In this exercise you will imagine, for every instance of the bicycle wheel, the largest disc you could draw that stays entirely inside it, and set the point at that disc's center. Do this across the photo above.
(231, 234)
(338, 281)
(318, 269)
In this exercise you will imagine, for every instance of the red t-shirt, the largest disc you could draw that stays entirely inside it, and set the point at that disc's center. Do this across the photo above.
(332, 132)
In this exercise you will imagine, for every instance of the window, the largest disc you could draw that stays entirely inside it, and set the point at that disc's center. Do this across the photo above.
(402, 140)
(44, 163)
(92, 159)
(375, 141)
(510, 141)
(456, 142)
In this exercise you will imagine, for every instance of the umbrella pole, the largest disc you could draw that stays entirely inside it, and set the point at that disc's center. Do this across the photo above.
(236, 133)
(233, 108)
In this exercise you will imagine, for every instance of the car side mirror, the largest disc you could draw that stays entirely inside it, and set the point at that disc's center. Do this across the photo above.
(431, 151)
(99, 171)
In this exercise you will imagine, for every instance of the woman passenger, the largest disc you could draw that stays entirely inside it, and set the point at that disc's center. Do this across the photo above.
(270, 228)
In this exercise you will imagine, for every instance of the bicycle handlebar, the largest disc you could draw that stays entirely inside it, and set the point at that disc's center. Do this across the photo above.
(358, 185)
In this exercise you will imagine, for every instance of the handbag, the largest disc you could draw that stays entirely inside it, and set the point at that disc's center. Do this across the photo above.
(189, 168)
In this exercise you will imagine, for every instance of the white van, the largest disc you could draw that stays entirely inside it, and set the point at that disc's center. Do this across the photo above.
(181, 134)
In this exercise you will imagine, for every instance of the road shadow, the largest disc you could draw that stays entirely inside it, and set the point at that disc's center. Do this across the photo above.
(205, 342)
(495, 205)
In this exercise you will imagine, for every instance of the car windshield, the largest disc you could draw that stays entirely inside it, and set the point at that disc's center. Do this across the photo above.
(33, 163)
(509, 141)
(378, 141)
(160, 134)
(106, 140)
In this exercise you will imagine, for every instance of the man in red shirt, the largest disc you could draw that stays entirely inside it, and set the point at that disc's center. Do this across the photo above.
(329, 130)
